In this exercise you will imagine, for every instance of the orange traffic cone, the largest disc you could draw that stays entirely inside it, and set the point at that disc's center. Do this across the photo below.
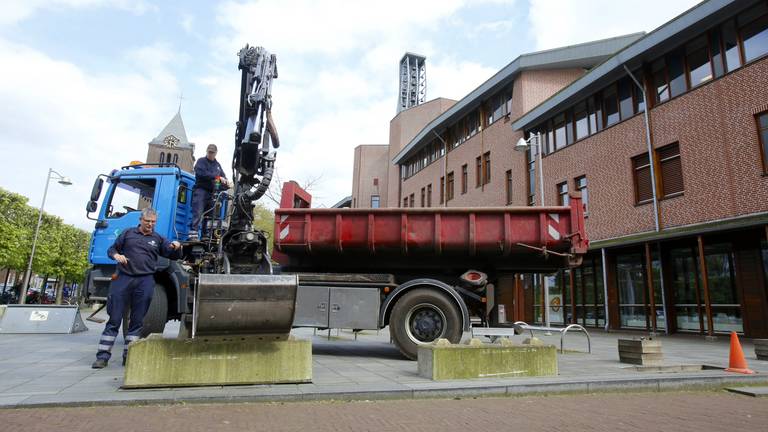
(737, 363)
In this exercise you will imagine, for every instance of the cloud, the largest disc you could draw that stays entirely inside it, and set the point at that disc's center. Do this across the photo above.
(556, 23)
(55, 114)
(15, 11)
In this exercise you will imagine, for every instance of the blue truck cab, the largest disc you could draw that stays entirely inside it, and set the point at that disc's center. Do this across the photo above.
(168, 190)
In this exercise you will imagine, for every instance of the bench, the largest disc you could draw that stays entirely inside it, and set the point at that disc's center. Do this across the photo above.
(519, 327)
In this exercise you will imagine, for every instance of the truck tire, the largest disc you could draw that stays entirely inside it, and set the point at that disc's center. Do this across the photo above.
(422, 316)
(157, 314)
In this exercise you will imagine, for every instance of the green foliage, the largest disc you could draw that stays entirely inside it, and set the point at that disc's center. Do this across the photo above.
(264, 220)
(61, 250)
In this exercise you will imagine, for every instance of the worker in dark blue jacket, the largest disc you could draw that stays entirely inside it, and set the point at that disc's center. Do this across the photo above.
(208, 177)
(136, 251)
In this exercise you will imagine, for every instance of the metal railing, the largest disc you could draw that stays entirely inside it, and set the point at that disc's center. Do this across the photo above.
(521, 326)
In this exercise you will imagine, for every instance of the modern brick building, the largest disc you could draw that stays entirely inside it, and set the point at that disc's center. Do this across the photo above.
(677, 197)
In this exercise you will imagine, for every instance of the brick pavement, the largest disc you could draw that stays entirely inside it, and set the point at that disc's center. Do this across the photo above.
(692, 411)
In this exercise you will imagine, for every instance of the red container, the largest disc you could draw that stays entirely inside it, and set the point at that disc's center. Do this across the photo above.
(307, 236)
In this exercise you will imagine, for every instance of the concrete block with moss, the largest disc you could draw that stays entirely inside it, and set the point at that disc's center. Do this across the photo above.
(158, 362)
(446, 361)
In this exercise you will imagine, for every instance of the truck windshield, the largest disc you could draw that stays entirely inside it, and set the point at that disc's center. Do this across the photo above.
(130, 195)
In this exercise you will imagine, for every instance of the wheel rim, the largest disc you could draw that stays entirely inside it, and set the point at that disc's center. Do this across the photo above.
(425, 323)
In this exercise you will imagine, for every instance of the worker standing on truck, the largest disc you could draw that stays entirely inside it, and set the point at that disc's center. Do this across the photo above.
(136, 251)
(208, 173)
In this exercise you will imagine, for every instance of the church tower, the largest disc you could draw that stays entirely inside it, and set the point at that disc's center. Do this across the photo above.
(172, 147)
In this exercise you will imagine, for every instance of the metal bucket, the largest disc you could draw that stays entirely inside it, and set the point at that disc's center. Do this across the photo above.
(234, 304)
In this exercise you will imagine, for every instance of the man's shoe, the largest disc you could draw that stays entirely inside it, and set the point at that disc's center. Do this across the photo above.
(99, 364)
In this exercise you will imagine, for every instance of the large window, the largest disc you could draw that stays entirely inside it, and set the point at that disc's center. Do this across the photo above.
(464, 175)
(130, 196)
(642, 176)
(449, 187)
(531, 176)
(762, 131)
(671, 174)
(676, 71)
(755, 37)
(589, 293)
(581, 186)
(686, 287)
(442, 189)
(671, 170)
(726, 307)
(580, 120)
(478, 171)
(562, 194)
(498, 106)
(630, 278)
(423, 196)
(610, 106)
(626, 103)
(697, 56)
(429, 195)
(486, 168)
(508, 185)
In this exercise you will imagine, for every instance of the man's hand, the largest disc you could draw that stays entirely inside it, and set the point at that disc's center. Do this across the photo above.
(120, 258)
(175, 245)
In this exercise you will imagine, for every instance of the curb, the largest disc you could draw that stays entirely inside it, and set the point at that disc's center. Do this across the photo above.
(575, 386)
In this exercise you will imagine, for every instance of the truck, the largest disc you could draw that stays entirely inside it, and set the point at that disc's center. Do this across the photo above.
(426, 273)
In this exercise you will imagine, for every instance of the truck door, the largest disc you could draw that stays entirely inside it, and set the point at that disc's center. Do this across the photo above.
(183, 210)
(121, 209)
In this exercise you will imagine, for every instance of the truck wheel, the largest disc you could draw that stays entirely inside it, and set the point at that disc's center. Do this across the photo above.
(422, 316)
(157, 315)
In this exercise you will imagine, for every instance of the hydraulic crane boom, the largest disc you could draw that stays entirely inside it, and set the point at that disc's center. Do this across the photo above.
(253, 162)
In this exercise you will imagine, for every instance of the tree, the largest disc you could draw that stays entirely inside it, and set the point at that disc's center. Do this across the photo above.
(17, 222)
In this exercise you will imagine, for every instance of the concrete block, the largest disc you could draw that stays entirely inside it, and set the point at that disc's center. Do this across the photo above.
(445, 361)
(761, 348)
(231, 360)
(644, 352)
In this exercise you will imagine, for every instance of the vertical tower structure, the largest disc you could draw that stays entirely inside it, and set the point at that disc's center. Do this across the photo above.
(413, 81)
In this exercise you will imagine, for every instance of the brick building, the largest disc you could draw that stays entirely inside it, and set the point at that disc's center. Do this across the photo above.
(677, 197)
(171, 146)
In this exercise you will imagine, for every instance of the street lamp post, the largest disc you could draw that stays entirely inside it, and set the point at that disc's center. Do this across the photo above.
(534, 142)
(64, 181)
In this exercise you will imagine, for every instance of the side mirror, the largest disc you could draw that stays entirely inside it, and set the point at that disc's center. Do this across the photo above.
(91, 206)
(96, 191)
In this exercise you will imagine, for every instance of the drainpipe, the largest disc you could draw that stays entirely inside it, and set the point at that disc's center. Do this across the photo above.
(605, 288)
(651, 159)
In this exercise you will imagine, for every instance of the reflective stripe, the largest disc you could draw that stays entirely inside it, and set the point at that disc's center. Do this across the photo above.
(103, 347)
(131, 338)
(108, 338)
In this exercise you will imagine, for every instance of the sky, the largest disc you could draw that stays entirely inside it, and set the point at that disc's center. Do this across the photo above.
(86, 84)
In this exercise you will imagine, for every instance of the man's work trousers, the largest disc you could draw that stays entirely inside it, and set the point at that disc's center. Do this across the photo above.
(125, 291)
(201, 204)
